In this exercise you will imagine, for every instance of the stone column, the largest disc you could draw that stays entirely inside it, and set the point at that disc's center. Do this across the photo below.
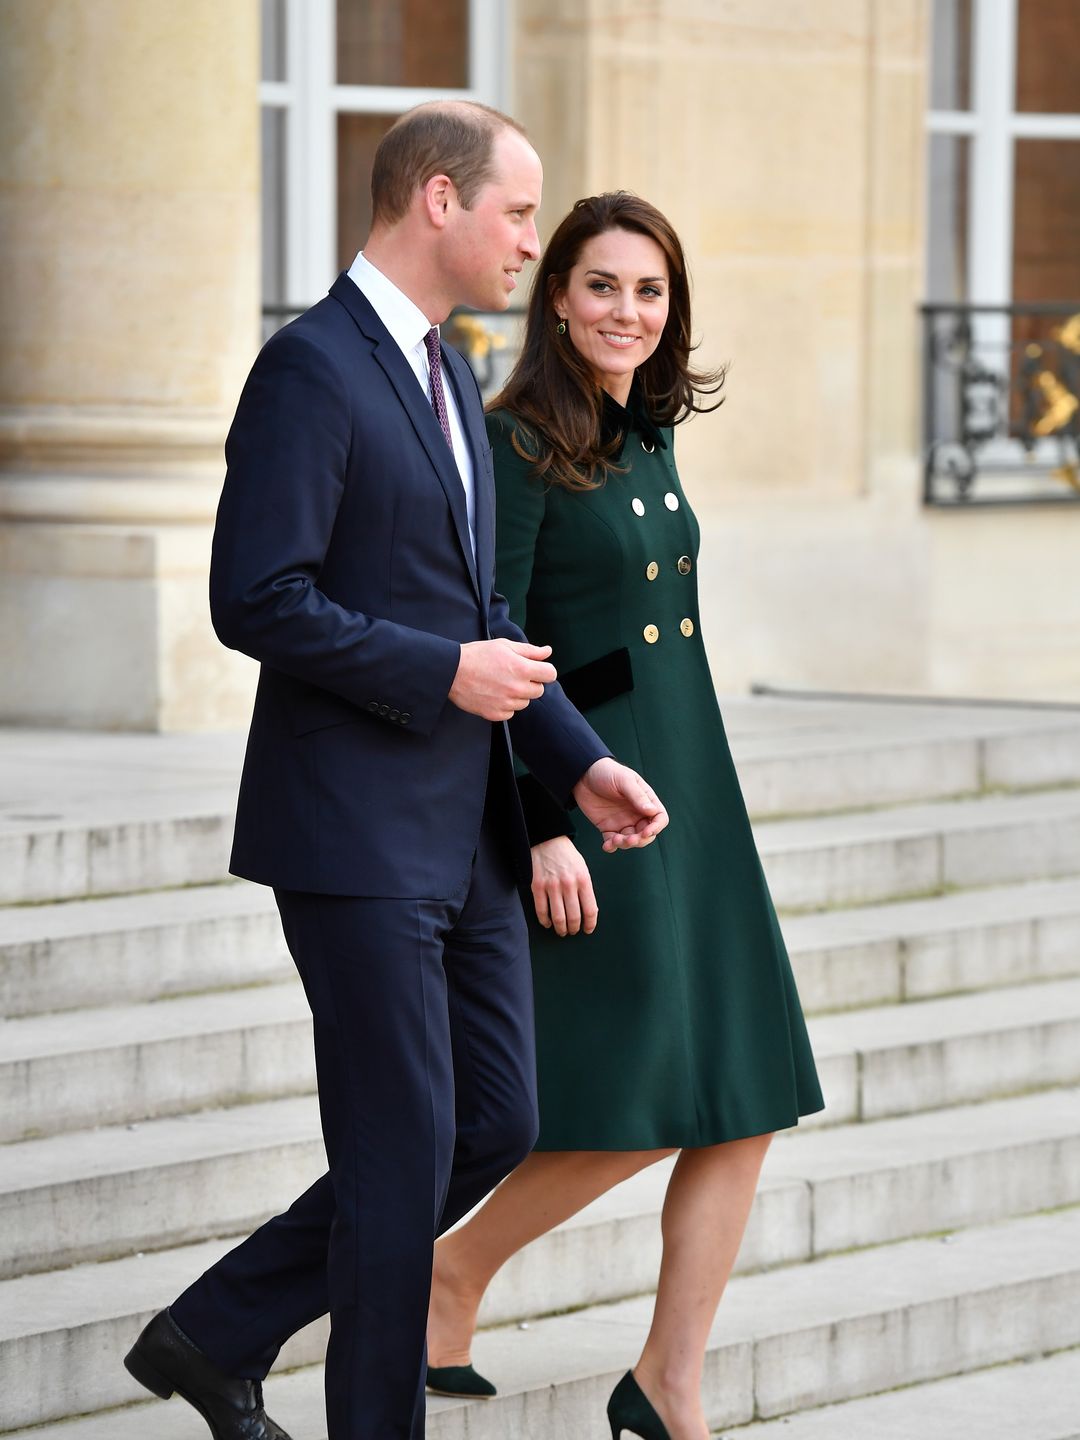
(129, 208)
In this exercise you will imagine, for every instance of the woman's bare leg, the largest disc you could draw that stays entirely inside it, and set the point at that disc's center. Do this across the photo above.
(544, 1190)
(705, 1212)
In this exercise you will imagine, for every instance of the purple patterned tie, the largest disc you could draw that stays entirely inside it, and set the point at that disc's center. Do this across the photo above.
(438, 397)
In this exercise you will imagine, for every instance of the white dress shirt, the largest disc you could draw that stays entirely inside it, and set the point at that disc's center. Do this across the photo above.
(408, 325)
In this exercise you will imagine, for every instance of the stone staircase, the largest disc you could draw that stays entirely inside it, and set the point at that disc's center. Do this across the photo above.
(912, 1265)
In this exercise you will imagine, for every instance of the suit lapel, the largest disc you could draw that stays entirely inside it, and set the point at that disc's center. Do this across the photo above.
(417, 406)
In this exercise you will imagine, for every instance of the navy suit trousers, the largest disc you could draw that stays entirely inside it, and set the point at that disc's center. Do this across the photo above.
(425, 1057)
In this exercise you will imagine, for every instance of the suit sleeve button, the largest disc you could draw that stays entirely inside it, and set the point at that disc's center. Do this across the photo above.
(373, 706)
(404, 717)
(394, 714)
(384, 709)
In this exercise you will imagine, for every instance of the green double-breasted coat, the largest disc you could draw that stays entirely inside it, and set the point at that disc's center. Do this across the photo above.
(677, 1022)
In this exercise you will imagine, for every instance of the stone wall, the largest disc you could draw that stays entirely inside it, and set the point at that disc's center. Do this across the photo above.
(785, 141)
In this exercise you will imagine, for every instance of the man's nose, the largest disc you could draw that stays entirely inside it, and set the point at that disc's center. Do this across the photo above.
(530, 242)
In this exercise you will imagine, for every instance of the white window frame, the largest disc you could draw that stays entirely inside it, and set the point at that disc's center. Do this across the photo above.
(313, 100)
(993, 126)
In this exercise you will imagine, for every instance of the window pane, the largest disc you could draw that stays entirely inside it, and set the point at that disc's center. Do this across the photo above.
(946, 278)
(1046, 220)
(273, 206)
(273, 39)
(358, 137)
(403, 42)
(1047, 46)
(950, 56)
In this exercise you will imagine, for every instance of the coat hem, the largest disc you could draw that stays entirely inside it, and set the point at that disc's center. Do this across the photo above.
(683, 1141)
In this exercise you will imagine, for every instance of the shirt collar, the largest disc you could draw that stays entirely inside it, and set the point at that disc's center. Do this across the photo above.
(406, 323)
(617, 421)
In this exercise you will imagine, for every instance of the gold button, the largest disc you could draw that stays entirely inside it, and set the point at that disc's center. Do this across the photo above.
(648, 446)
(638, 506)
(652, 634)
(685, 565)
(687, 626)
(652, 569)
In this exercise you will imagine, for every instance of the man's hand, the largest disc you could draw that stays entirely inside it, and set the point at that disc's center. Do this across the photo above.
(562, 887)
(620, 805)
(497, 678)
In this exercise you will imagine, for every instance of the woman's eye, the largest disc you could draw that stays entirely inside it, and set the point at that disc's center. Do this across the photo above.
(600, 287)
(650, 292)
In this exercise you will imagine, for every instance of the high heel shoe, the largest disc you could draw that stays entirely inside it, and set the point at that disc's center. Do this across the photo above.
(629, 1409)
(459, 1380)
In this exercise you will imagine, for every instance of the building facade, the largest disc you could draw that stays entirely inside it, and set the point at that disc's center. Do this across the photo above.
(888, 496)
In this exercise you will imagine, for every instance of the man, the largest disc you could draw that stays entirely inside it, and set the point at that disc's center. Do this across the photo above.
(353, 557)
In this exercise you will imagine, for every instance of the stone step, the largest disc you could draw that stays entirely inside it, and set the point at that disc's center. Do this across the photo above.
(920, 949)
(1027, 1400)
(846, 1326)
(799, 757)
(1021, 1400)
(163, 943)
(910, 850)
(97, 814)
(147, 946)
(84, 815)
(124, 1063)
(904, 1059)
(174, 942)
(127, 1063)
(106, 1193)
(63, 1334)
(103, 1193)
(43, 859)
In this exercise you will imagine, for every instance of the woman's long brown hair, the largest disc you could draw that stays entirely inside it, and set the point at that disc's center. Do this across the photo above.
(551, 389)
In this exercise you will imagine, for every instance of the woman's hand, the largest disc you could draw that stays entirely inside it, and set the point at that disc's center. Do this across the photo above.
(562, 888)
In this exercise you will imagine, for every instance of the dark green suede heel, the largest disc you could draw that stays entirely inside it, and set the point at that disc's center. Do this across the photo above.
(629, 1409)
(459, 1380)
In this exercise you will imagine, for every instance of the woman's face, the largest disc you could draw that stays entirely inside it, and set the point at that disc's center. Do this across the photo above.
(616, 306)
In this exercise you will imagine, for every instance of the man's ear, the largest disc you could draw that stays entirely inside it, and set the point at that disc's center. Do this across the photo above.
(439, 195)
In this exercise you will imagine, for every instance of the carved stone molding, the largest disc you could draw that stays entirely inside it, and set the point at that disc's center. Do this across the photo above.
(110, 466)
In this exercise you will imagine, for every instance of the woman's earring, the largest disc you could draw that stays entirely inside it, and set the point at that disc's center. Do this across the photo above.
(560, 328)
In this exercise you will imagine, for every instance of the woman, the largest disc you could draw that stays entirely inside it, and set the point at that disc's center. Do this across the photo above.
(677, 1026)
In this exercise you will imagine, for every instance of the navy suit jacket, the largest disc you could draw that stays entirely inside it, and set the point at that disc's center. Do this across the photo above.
(342, 562)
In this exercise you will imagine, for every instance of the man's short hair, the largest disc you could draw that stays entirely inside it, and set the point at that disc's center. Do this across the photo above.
(453, 138)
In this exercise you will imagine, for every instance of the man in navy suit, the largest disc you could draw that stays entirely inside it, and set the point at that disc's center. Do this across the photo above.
(354, 558)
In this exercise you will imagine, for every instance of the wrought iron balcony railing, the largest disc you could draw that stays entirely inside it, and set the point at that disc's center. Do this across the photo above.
(1001, 404)
(488, 340)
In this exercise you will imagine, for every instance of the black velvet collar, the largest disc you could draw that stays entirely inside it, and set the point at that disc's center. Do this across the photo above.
(620, 421)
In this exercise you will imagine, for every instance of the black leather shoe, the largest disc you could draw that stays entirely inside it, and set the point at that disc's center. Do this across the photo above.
(167, 1362)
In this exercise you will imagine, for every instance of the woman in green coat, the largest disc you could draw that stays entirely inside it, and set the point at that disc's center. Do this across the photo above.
(667, 1017)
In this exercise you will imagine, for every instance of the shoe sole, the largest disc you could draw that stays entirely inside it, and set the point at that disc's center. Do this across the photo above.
(457, 1394)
